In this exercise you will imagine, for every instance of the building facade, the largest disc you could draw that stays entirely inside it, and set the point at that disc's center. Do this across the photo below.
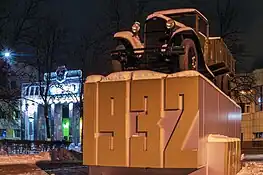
(62, 100)
(252, 117)
(12, 76)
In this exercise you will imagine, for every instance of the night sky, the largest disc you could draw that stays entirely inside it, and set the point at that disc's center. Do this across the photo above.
(82, 17)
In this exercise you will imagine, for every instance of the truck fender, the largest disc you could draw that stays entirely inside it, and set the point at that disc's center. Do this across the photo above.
(129, 36)
(188, 32)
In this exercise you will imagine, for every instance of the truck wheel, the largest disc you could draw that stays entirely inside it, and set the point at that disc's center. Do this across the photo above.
(116, 63)
(116, 66)
(189, 61)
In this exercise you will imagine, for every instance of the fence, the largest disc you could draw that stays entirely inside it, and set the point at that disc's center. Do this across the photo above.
(29, 147)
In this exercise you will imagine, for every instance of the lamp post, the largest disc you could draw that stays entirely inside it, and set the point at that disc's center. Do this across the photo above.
(8, 56)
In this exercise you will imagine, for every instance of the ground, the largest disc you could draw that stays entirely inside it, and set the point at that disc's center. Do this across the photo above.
(21, 169)
(58, 169)
(252, 166)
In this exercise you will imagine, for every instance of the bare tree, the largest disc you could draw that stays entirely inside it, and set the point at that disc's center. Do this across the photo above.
(114, 14)
(135, 10)
(46, 41)
(87, 53)
(244, 89)
(4, 16)
(139, 9)
(14, 25)
(227, 14)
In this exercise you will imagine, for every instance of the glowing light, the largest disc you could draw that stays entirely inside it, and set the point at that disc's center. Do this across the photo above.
(234, 116)
(7, 54)
(66, 125)
(31, 109)
(70, 106)
(52, 106)
(71, 88)
(243, 92)
(31, 120)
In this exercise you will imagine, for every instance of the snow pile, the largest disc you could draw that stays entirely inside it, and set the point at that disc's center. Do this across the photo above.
(118, 76)
(147, 75)
(62, 155)
(75, 147)
(253, 157)
(187, 73)
(252, 168)
(38, 172)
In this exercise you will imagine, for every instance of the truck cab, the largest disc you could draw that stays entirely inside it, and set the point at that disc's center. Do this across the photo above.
(173, 40)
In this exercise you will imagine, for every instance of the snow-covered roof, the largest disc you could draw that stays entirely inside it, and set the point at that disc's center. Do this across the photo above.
(147, 74)
(183, 10)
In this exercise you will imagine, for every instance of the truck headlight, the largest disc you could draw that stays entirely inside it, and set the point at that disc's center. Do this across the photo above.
(136, 27)
(170, 24)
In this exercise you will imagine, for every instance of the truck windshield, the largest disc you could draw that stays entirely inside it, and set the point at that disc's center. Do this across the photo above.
(190, 21)
(186, 19)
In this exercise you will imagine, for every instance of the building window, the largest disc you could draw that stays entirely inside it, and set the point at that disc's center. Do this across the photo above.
(65, 111)
(17, 133)
(258, 135)
(37, 91)
(30, 128)
(2, 133)
(259, 100)
(42, 90)
(247, 109)
(32, 90)
(242, 105)
(27, 91)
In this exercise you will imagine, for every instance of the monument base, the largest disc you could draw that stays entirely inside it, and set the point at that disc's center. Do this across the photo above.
(102, 170)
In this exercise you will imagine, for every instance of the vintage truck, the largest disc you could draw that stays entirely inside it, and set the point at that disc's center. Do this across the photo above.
(157, 113)
(174, 40)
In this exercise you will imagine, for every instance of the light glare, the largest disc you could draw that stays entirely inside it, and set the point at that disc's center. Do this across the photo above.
(7, 54)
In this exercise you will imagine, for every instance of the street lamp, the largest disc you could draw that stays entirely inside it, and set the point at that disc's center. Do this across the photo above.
(7, 54)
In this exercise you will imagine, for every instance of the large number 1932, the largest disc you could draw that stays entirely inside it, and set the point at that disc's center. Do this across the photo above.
(141, 123)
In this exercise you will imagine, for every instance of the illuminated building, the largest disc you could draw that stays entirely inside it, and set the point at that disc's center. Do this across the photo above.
(252, 109)
(62, 100)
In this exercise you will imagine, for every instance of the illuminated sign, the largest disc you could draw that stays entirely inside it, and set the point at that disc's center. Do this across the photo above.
(60, 89)
(65, 127)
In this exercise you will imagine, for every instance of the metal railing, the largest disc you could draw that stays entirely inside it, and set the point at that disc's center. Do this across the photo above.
(29, 147)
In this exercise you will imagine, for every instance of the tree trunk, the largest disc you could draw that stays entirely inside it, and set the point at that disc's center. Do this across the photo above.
(47, 122)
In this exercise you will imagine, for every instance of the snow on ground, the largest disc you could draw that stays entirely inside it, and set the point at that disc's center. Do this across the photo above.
(21, 169)
(252, 168)
(253, 164)
(24, 159)
(253, 157)
(75, 147)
